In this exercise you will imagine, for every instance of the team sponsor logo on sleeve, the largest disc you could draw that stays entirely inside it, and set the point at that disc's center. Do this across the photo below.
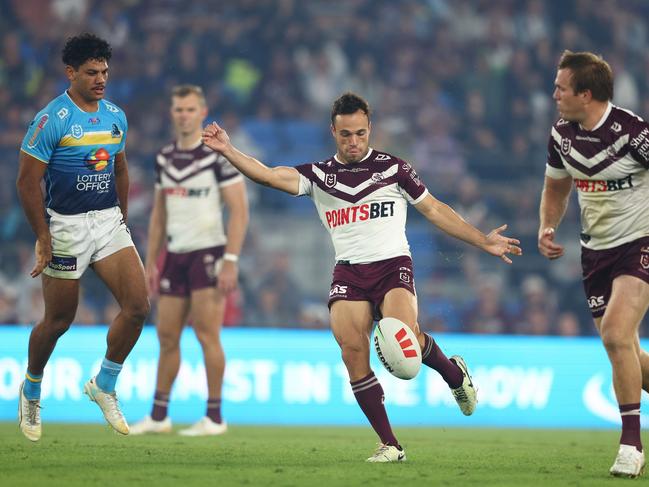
(63, 263)
(42, 122)
(566, 145)
(76, 131)
(641, 144)
(62, 113)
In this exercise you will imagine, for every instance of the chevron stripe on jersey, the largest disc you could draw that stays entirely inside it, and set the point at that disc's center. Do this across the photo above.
(609, 166)
(364, 205)
(191, 181)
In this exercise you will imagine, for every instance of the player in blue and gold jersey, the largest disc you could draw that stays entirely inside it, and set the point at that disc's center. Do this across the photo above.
(76, 144)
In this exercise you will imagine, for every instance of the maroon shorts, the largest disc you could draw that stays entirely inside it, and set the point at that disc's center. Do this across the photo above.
(600, 267)
(183, 273)
(371, 282)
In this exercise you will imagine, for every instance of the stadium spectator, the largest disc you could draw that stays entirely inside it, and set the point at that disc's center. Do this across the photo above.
(451, 41)
(201, 265)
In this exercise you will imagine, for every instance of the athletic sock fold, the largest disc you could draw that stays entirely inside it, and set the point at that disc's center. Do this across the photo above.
(32, 387)
(107, 376)
(370, 397)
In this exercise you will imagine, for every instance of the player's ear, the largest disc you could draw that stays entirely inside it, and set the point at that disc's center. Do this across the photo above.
(70, 72)
(333, 130)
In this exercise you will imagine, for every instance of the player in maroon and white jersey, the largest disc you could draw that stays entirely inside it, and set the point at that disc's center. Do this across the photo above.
(201, 264)
(361, 195)
(603, 151)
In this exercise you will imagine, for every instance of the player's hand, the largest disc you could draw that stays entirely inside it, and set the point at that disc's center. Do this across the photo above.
(500, 245)
(43, 252)
(547, 245)
(152, 279)
(228, 276)
(215, 137)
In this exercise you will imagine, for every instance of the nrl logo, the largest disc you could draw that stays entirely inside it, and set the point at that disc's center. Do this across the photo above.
(566, 145)
(644, 258)
(76, 131)
(330, 180)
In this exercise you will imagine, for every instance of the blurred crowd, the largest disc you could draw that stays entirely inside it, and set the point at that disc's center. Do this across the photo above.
(460, 88)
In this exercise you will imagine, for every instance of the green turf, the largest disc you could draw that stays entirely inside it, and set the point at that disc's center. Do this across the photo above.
(85, 455)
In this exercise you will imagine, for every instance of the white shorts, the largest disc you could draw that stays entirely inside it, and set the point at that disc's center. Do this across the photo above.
(83, 239)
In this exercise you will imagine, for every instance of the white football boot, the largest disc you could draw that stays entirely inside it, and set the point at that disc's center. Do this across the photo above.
(387, 454)
(150, 425)
(628, 463)
(466, 395)
(204, 427)
(108, 404)
(29, 416)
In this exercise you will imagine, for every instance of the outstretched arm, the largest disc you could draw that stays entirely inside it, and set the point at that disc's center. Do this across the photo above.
(444, 217)
(554, 201)
(283, 178)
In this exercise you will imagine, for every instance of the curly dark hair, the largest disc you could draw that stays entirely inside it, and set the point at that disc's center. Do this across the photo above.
(81, 48)
(349, 103)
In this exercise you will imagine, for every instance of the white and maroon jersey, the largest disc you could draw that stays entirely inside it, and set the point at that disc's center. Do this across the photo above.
(364, 205)
(190, 180)
(609, 167)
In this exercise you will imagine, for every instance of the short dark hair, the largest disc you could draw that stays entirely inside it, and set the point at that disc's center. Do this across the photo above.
(589, 72)
(81, 48)
(182, 91)
(349, 103)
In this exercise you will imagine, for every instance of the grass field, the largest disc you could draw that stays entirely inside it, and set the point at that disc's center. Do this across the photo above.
(86, 455)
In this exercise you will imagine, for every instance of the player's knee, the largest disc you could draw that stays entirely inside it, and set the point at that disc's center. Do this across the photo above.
(59, 324)
(352, 352)
(168, 342)
(615, 340)
(137, 310)
(207, 337)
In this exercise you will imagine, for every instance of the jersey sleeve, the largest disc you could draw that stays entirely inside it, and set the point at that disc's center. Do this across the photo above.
(42, 137)
(554, 168)
(410, 185)
(159, 164)
(122, 144)
(639, 142)
(226, 174)
(306, 178)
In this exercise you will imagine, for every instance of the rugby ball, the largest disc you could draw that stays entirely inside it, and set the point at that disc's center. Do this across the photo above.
(397, 348)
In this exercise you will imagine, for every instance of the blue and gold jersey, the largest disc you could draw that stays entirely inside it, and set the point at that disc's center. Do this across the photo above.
(79, 149)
